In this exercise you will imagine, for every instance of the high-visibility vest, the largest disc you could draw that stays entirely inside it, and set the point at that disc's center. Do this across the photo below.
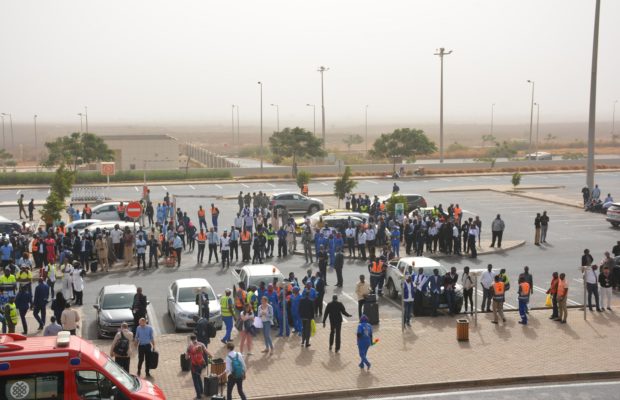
(13, 313)
(87, 210)
(498, 291)
(254, 302)
(224, 306)
(201, 213)
(202, 237)
(382, 207)
(377, 267)
(121, 209)
(240, 299)
(525, 291)
(7, 279)
(270, 234)
(214, 211)
(35, 245)
(561, 288)
(245, 237)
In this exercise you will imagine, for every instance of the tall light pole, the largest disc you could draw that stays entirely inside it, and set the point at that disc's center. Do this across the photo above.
(314, 118)
(261, 125)
(529, 148)
(441, 54)
(366, 126)
(613, 118)
(11, 126)
(537, 125)
(3, 137)
(321, 70)
(592, 117)
(233, 123)
(277, 116)
(36, 145)
(492, 116)
(238, 136)
(86, 117)
(81, 122)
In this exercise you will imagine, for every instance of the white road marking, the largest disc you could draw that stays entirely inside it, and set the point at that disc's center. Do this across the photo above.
(492, 178)
(495, 390)
(48, 191)
(18, 191)
(271, 184)
(135, 187)
(445, 179)
(468, 179)
(218, 186)
(543, 291)
(244, 185)
(192, 187)
(165, 188)
(153, 320)
(323, 183)
(373, 182)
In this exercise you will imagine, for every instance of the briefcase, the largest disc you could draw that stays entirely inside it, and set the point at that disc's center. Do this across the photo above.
(185, 363)
(211, 385)
(153, 360)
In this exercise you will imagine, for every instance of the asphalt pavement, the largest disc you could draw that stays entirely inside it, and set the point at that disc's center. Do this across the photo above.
(570, 231)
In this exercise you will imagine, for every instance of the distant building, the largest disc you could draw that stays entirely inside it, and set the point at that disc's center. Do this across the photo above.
(140, 152)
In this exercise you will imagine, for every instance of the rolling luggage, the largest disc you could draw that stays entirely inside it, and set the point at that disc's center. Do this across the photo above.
(185, 363)
(94, 266)
(371, 310)
(211, 385)
(153, 360)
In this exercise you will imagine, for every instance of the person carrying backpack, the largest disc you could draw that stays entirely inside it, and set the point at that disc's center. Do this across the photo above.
(235, 368)
(197, 354)
(121, 346)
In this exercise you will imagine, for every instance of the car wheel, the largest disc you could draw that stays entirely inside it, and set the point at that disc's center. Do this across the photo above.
(313, 209)
(615, 224)
(391, 290)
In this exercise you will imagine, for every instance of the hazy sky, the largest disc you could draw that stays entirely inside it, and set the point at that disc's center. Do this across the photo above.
(189, 61)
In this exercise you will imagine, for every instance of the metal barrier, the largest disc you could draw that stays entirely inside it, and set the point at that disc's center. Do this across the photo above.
(88, 194)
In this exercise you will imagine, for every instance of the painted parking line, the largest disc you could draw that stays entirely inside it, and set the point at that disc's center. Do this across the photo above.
(218, 186)
(373, 182)
(245, 186)
(135, 187)
(165, 188)
(271, 184)
(446, 179)
(153, 320)
(18, 191)
(192, 187)
(543, 291)
(323, 183)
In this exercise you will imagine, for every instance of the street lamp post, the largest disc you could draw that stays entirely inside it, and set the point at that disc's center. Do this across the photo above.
(3, 137)
(537, 126)
(441, 54)
(86, 117)
(492, 116)
(277, 116)
(81, 122)
(233, 123)
(261, 126)
(592, 116)
(36, 145)
(613, 119)
(238, 136)
(529, 148)
(11, 126)
(313, 117)
(366, 127)
(322, 69)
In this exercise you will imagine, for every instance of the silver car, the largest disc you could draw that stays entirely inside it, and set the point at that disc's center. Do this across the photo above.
(296, 202)
(182, 305)
(114, 306)
(106, 211)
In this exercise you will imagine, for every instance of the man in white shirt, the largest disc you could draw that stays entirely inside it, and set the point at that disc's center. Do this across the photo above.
(591, 277)
(141, 251)
(361, 242)
(350, 235)
(370, 241)
(408, 293)
(231, 358)
(116, 236)
(225, 249)
(486, 280)
(419, 286)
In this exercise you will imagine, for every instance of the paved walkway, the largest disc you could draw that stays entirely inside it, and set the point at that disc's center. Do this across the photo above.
(426, 354)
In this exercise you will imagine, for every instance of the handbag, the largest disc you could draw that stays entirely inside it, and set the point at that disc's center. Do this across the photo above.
(239, 324)
(258, 322)
(548, 302)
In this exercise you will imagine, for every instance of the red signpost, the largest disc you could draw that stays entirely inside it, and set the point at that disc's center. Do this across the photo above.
(133, 210)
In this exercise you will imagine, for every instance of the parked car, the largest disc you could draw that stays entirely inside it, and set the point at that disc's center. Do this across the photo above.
(106, 211)
(340, 222)
(81, 224)
(613, 214)
(109, 225)
(413, 200)
(539, 155)
(182, 305)
(296, 202)
(114, 306)
(395, 275)
(319, 215)
(254, 274)
(7, 227)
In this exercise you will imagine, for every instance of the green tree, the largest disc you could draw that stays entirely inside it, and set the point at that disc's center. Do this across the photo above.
(516, 180)
(489, 139)
(295, 143)
(352, 140)
(303, 178)
(77, 148)
(60, 188)
(505, 149)
(344, 184)
(6, 159)
(394, 199)
(404, 142)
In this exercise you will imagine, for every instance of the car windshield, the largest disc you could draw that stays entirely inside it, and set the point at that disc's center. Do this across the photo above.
(188, 294)
(121, 376)
(115, 301)
(256, 280)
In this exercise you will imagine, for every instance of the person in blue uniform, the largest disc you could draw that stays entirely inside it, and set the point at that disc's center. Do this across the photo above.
(295, 310)
(364, 341)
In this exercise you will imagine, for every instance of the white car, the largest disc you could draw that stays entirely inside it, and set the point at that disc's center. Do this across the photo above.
(182, 305)
(540, 155)
(109, 225)
(81, 224)
(254, 274)
(106, 211)
(613, 214)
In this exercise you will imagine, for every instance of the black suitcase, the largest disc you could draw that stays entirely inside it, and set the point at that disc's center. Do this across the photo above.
(211, 385)
(371, 310)
(185, 363)
(153, 360)
(94, 266)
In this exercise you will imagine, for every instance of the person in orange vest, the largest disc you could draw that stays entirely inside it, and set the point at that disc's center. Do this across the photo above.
(87, 212)
(121, 211)
(240, 297)
(498, 290)
(215, 213)
(304, 189)
(524, 298)
(246, 243)
(201, 217)
(375, 267)
(202, 240)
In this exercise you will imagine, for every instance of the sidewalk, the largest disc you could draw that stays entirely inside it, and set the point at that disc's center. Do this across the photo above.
(426, 356)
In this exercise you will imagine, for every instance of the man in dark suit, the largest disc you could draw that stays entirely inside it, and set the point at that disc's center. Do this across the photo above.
(334, 310)
(306, 313)
(139, 307)
(435, 283)
(338, 264)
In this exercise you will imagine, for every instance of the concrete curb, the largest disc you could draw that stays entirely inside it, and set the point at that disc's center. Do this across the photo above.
(429, 387)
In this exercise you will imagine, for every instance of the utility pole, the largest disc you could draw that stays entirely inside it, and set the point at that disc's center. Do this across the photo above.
(277, 116)
(261, 126)
(492, 116)
(613, 118)
(238, 136)
(233, 124)
(529, 148)
(441, 54)
(86, 117)
(366, 128)
(537, 126)
(81, 122)
(314, 117)
(3, 137)
(36, 145)
(592, 118)
(321, 70)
